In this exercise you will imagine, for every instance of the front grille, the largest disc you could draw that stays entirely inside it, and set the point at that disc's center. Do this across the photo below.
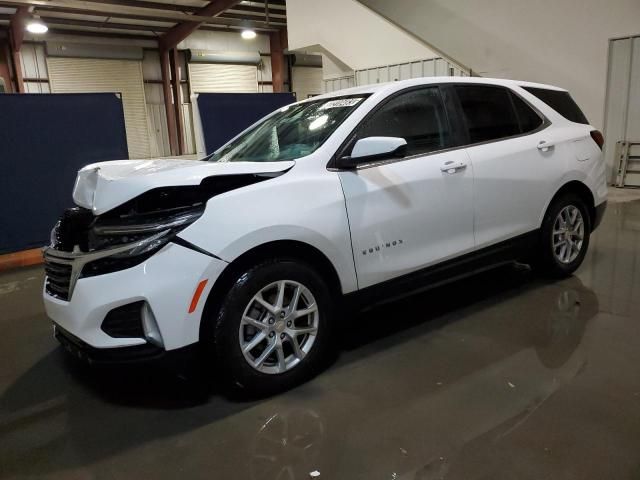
(84, 245)
(58, 279)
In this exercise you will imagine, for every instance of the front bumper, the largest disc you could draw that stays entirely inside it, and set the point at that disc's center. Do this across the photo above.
(166, 282)
(92, 355)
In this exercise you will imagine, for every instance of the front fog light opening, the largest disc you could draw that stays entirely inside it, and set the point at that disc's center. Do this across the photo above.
(150, 326)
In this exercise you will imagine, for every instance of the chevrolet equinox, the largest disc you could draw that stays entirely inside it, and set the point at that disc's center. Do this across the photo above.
(366, 193)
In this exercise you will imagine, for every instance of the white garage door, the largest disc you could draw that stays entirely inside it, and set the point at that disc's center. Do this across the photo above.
(307, 81)
(218, 78)
(86, 75)
(223, 78)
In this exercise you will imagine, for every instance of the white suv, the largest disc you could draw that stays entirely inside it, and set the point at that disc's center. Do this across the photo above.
(363, 194)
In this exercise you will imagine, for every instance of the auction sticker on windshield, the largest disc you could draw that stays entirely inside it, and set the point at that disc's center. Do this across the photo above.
(345, 102)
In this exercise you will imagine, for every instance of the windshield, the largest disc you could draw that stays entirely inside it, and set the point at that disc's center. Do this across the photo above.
(293, 132)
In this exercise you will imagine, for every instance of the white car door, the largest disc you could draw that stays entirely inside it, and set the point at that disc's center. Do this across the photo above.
(409, 213)
(513, 178)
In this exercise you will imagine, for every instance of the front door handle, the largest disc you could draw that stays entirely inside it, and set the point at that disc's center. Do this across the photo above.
(452, 167)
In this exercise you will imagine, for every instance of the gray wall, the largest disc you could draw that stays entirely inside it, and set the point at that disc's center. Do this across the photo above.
(561, 42)
(355, 36)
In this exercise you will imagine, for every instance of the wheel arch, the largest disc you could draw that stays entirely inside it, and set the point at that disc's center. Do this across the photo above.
(293, 249)
(582, 190)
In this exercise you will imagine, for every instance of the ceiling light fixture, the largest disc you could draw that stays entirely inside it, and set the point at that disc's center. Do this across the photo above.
(37, 26)
(248, 34)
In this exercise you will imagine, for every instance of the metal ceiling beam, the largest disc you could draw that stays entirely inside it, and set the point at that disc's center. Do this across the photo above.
(147, 14)
(277, 3)
(89, 23)
(271, 21)
(234, 28)
(176, 7)
(61, 30)
(95, 13)
(112, 10)
(257, 11)
(100, 18)
(181, 31)
(59, 26)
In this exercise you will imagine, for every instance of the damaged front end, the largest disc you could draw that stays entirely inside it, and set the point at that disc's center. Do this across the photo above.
(85, 245)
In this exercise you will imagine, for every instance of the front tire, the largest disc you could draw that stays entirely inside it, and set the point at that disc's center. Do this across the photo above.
(565, 234)
(272, 330)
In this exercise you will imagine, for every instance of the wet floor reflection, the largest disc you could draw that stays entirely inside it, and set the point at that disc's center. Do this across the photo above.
(433, 369)
(409, 415)
(503, 375)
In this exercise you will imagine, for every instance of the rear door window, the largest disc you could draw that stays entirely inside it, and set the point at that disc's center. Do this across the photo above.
(561, 102)
(488, 112)
(494, 112)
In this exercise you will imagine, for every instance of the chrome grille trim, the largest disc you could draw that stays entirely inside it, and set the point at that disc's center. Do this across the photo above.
(78, 259)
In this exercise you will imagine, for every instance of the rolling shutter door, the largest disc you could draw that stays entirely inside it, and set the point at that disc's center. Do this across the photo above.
(307, 81)
(86, 75)
(223, 78)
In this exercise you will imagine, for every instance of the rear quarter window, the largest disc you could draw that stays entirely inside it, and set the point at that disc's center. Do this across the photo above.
(528, 119)
(561, 102)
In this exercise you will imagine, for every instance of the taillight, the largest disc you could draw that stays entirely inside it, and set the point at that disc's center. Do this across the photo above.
(597, 137)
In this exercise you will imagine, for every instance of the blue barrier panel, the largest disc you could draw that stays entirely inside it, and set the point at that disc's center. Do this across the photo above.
(224, 115)
(44, 140)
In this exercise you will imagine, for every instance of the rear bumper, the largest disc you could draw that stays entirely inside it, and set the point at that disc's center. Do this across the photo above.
(599, 213)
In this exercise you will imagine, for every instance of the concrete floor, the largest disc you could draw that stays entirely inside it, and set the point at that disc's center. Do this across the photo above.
(502, 376)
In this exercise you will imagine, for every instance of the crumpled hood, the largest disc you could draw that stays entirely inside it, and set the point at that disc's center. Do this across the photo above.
(103, 186)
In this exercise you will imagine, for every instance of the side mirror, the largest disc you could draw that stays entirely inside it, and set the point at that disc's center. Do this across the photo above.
(374, 148)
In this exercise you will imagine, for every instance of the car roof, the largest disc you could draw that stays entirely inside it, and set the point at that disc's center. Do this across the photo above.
(390, 87)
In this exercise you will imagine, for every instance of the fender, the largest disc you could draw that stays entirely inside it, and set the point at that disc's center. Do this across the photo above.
(276, 214)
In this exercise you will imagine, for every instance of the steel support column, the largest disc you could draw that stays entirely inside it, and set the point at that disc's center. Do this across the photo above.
(168, 101)
(174, 58)
(16, 36)
(277, 62)
(5, 69)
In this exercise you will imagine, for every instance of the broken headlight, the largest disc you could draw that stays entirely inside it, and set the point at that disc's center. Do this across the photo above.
(146, 225)
(158, 229)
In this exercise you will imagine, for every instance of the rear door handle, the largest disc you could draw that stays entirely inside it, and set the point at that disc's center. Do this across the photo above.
(544, 145)
(453, 167)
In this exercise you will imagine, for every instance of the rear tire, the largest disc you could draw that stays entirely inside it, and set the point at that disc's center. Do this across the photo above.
(272, 330)
(565, 234)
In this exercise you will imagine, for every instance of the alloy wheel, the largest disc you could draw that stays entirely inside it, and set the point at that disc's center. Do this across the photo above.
(568, 234)
(279, 327)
